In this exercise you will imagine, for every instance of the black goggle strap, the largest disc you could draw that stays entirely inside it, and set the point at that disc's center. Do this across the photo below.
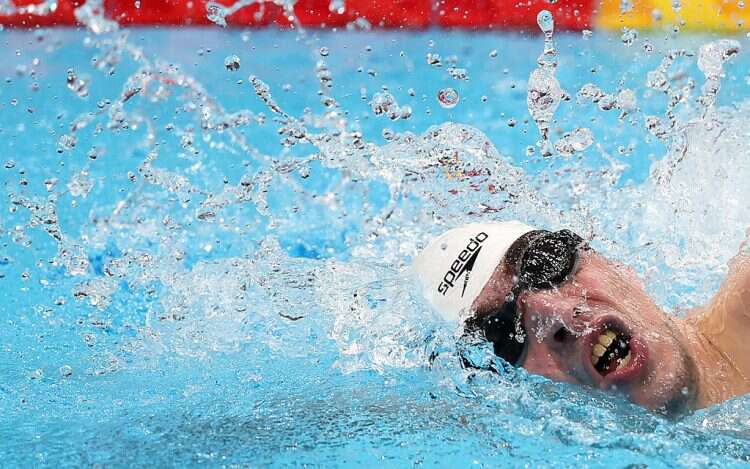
(505, 330)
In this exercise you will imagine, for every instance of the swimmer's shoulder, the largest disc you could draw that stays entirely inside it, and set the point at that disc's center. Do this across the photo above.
(725, 320)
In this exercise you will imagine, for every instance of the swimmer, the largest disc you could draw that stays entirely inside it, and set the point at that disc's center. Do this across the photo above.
(549, 303)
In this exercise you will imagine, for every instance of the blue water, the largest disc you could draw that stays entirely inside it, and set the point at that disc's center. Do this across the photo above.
(196, 304)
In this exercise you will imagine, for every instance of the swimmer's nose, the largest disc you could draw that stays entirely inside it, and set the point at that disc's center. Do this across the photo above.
(553, 348)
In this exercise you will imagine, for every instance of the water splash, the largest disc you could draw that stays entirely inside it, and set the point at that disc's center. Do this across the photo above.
(218, 13)
(383, 103)
(711, 59)
(544, 93)
(296, 254)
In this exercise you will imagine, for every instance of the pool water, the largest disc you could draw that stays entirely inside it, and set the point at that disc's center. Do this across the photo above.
(204, 233)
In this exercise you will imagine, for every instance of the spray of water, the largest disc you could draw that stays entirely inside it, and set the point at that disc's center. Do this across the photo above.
(193, 268)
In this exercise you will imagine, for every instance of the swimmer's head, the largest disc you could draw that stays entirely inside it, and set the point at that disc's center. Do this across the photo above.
(454, 268)
(559, 309)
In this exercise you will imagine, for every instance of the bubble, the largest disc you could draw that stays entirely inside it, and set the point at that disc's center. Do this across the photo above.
(586, 34)
(493, 53)
(66, 371)
(324, 52)
(448, 98)
(232, 63)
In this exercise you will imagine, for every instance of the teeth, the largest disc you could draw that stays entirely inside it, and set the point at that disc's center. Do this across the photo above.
(624, 361)
(598, 351)
(605, 340)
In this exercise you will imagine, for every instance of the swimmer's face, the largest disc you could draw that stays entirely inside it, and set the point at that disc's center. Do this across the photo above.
(639, 351)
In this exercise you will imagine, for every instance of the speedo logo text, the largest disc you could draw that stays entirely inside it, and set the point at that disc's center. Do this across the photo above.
(463, 264)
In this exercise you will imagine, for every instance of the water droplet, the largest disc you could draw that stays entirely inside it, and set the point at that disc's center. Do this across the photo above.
(79, 86)
(80, 184)
(448, 98)
(232, 63)
(711, 56)
(629, 36)
(216, 13)
(576, 141)
(67, 142)
(433, 59)
(546, 22)
(66, 371)
(458, 73)
(586, 34)
(544, 96)
(337, 6)
(89, 339)
(381, 103)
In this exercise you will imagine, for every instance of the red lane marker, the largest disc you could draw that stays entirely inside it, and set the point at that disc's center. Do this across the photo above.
(464, 13)
(154, 12)
(317, 13)
(568, 14)
(63, 15)
(393, 13)
(501, 14)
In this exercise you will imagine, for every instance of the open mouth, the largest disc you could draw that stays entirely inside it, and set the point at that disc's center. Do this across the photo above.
(611, 352)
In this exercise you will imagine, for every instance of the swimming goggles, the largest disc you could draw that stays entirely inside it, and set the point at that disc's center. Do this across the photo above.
(539, 260)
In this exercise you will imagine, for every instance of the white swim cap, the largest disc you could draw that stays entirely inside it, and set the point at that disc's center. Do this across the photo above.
(454, 268)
